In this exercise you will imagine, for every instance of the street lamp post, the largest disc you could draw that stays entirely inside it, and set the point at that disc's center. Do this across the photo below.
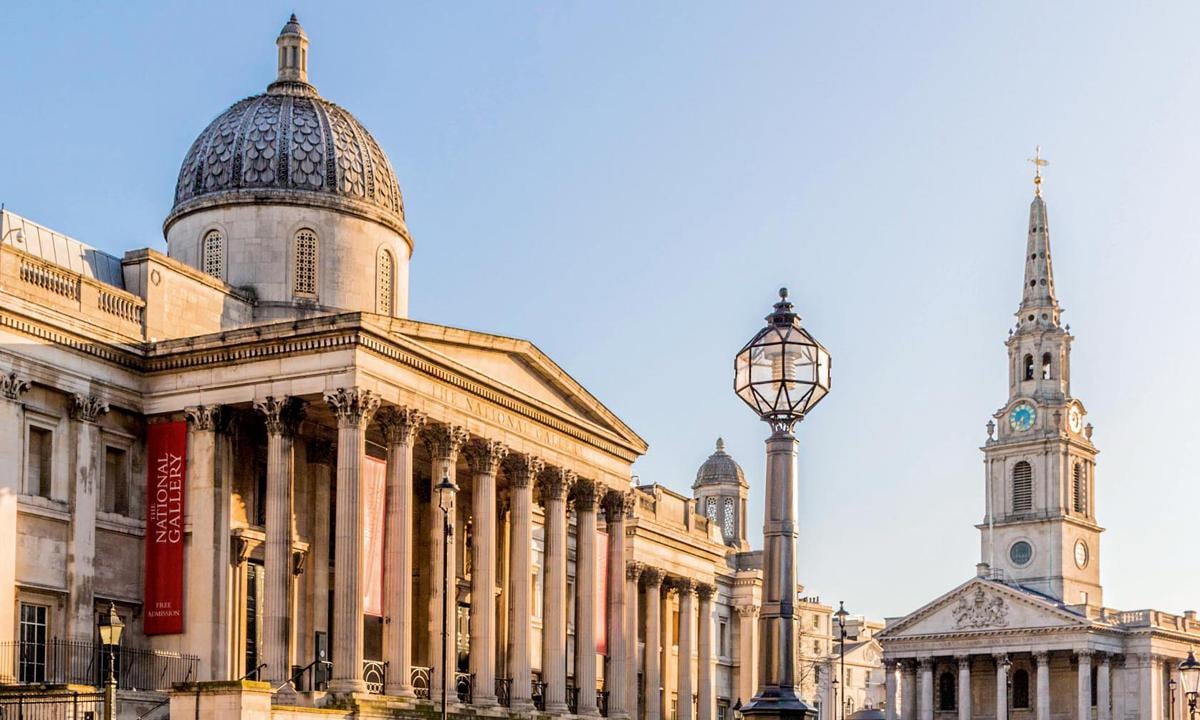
(1008, 684)
(110, 629)
(446, 490)
(782, 373)
(841, 616)
(1189, 676)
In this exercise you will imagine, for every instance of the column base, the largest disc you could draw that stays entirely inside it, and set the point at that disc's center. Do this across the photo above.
(404, 691)
(484, 701)
(348, 687)
(521, 706)
(556, 709)
(782, 703)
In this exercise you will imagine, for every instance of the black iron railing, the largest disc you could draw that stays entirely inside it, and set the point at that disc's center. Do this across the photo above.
(538, 693)
(49, 705)
(464, 686)
(420, 681)
(602, 702)
(75, 662)
(374, 674)
(504, 692)
(572, 699)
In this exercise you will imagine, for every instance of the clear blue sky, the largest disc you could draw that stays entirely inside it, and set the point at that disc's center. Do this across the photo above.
(628, 184)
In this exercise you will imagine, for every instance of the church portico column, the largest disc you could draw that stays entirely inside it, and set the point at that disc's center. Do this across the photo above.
(1042, 658)
(705, 702)
(206, 572)
(926, 669)
(621, 677)
(12, 413)
(522, 471)
(555, 484)
(584, 495)
(652, 579)
(320, 466)
(1083, 684)
(81, 563)
(1001, 685)
(1103, 685)
(908, 690)
(964, 687)
(400, 427)
(627, 682)
(889, 690)
(353, 408)
(485, 457)
(444, 443)
(686, 588)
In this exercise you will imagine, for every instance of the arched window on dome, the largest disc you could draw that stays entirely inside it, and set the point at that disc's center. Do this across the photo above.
(1022, 487)
(385, 282)
(212, 254)
(307, 259)
(1079, 489)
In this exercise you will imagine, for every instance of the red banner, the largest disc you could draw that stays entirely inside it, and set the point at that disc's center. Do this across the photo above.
(602, 592)
(374, 489)
(166, 461)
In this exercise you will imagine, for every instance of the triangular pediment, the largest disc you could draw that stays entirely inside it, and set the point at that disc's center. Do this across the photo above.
(518, 368)
(983, 606)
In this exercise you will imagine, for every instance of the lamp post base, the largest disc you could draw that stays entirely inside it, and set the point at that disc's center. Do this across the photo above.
(778, 704)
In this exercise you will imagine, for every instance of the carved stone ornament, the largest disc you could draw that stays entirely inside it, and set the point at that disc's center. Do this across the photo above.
(86, 408)
(634, 569)
(485, 456)
(584, 494)
(203, 418)
(705, 590)
(618, 504)
(445, 441)
(11, 386)
(749, 610)
(282, 415)
(400, 424)
(353, 407)
(555, 483)
(652, 576)
(980, 611)
(522, 470)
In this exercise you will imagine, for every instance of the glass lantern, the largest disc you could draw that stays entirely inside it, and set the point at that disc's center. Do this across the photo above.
(783, 372)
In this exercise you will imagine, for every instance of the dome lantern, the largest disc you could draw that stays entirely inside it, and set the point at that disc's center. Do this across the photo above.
(293, 53)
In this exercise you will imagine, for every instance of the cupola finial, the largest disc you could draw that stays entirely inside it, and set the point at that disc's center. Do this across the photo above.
(1038, 163)
(293, 52)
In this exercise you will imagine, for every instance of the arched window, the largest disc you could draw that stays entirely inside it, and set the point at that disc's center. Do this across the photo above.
(1028, 367)
(1020, 689)
(1079, 489)
(305, 282)
(728, 529)
(212, 254)
(1045, 366)
(385, 273)
(1022, 487)
(947, 688)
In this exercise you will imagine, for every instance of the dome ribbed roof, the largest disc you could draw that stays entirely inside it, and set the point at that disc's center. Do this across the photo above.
(289, 145)
(719, 469)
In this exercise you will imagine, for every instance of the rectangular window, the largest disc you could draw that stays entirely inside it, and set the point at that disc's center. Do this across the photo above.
(116, 482)
(817, 622)
(722, 648)
(722, 709)
(38, 479)
(675, 628)
(32, 655)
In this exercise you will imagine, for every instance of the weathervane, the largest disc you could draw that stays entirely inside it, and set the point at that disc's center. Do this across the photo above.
(1038, 164)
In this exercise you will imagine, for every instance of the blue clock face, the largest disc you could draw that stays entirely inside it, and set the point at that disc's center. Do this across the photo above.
(1021, 418)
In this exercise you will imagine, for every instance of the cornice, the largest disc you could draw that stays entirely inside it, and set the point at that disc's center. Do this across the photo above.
(124, 356)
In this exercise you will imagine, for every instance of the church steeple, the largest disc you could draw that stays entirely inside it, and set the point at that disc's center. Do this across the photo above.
(1039, 305)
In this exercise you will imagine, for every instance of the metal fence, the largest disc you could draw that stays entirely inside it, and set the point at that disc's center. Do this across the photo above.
(57, 662)
(51, 706)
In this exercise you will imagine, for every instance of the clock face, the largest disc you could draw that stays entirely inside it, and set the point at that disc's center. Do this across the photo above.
(1075, 418)
(1021, 418)
(1081, 554)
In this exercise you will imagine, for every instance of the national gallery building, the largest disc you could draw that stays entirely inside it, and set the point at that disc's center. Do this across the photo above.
(247, 456)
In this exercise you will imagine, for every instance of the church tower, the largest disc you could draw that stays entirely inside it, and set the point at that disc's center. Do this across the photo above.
(1040, 528)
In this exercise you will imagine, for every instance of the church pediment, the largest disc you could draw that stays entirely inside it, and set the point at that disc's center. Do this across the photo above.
(983, 606)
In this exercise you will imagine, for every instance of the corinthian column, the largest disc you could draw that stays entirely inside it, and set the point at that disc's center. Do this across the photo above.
(889, 690)
(400, 426)
(1103, 681)
(705, 705)
(584, 495)
(686, 587)
(1083, 684)
(626, 683)
(444, 443)
(12, 412)
(1043, 684)
(354, 409)
(555, 484)
(485, 457)
(81, 558)
(206, 573)
(747, 650)
(522, 472)
(1001, 685)
(927, 689)
(964, 687)
(652, 579)
(621, 678)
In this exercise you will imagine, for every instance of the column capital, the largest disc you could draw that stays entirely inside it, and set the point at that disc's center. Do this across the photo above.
(444, 441)
(634, 570)
(584, 494)
(1104, 658)
(1000, 657)
(1085, 653)
(889, 665)
(925, 663)
(706, 590)
(485, 456)
(747, 610)
(652, 577)
(683, 585)
(964, 661)
(281, 414)
(522, 470)
(354, 407)
(203, 418)
(400, 425)
(87, 408)
(554, 484)
(321, 452)
(618, 503)
(1041, 656)
(12, 386)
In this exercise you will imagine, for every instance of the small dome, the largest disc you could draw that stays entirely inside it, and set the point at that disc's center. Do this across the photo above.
(720, 469)
(289, 146)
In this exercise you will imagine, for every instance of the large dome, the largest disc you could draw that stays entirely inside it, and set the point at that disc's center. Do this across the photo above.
(719, 469)
(291, 146)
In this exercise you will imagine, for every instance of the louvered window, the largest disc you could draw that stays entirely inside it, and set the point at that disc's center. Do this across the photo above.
(306, 263)
(1022, 487)
(1079, 489)
(213, 254)
(384, 274)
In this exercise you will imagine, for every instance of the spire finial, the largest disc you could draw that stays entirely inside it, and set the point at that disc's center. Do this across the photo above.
(1038, 164)
(720, 444)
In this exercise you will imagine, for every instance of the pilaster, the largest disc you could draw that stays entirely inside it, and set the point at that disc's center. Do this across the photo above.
(81, 556)
(207, 576)
(12, 417)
